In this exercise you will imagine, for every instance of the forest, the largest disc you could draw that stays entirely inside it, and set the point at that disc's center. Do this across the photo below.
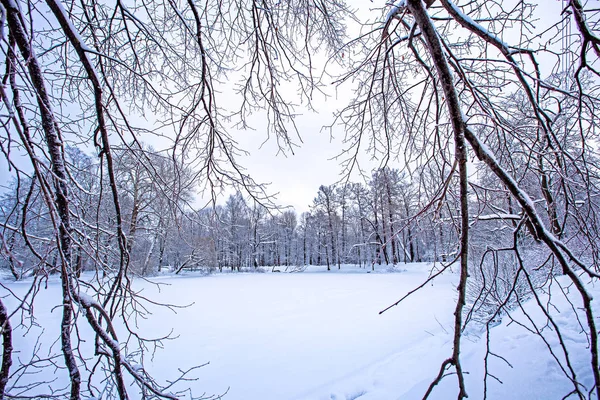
(482, 117)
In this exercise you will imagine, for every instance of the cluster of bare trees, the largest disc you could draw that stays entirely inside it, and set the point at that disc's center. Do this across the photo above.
(152, 201)
(498, 152)
(373, 223)
(348, 223)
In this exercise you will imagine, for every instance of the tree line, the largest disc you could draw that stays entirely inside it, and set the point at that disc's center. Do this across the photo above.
(366, 224)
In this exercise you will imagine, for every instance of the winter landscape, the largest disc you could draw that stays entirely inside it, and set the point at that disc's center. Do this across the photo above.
(302, 200)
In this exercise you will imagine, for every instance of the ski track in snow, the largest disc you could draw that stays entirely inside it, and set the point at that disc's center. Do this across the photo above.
(317, 335)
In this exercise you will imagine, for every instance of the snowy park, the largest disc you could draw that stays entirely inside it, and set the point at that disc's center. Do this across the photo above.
(299, 200)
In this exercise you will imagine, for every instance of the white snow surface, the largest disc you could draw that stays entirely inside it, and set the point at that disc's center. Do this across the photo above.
(318, 335)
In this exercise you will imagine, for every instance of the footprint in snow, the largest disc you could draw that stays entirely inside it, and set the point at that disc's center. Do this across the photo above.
(356, 395)
(352, 396)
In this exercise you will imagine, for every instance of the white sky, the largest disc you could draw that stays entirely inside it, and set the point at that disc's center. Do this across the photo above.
(295, 177)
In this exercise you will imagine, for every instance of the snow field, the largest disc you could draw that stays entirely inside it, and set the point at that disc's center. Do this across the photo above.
(319, 335)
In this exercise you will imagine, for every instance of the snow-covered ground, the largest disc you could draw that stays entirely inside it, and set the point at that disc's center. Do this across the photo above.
(318, 335)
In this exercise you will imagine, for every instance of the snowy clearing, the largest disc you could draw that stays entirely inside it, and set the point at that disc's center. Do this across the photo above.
(319, 335)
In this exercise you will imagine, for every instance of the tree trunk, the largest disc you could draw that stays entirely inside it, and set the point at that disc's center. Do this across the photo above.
(391, 216)
(134, 215)
(384, 232)
(7, 348)
(61, 199)
(149, 254)
(436, 51)
(304, 247)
